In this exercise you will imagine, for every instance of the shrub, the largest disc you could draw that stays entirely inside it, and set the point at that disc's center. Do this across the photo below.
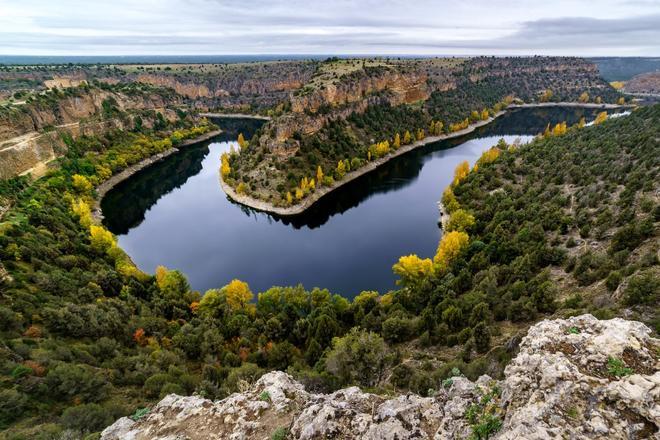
(172, 388)
(397, 329)
(89, 417)
(12, 405)
(642, 289)
(357, 357)
(280, 433)
(153, 386)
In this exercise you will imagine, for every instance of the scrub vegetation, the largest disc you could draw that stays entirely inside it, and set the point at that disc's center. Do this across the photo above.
(85, 337)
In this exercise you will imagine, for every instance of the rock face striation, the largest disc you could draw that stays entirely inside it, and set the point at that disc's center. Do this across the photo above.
(575, 378)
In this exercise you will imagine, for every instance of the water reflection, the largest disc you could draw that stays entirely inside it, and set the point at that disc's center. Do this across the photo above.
(176, 214)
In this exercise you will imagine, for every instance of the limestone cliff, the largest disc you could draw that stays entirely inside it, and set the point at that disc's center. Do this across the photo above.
(31, 134)
(645, 83)
(72, 107)
(573, 378)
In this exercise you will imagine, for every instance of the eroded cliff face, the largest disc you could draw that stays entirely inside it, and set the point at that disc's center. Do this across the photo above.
(402, 88)
(312, 108)
(335, 95)
(561, 385)
(645, 83)
(31, 134)
(69, 109)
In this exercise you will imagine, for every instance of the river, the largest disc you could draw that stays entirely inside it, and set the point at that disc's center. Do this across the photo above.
(175, 214)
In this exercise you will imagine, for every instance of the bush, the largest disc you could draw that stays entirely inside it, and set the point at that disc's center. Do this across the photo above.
(153, 386)
(401, 375)
(68, 381)
(397, 329)
(613, 280)
(89, 417)
(172, 388)
(12, 405)
(642, 289)
(481, 336)
(358, 357)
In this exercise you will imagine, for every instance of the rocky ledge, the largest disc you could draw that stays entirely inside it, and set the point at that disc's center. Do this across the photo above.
(575, 378)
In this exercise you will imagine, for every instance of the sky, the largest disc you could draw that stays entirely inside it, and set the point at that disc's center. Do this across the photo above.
(415, 27)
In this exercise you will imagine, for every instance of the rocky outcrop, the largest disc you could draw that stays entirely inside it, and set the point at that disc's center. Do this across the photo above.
(73, 107)
(573, 378)
(645, 83)
(33, 134)
(312, 109)
(402, 88)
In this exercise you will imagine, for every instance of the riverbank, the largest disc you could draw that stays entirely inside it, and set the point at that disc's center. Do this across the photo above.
(312, 198)
(113, 181)
(571, 104)
(234, 116)
(299, 208)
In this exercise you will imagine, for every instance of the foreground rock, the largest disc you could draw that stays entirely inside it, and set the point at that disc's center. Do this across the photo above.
(575, 378)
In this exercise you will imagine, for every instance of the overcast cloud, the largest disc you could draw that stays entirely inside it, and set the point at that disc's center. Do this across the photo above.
(424, 27)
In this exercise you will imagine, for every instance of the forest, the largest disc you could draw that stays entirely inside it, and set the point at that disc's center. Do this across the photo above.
(86, 337)
(351, 135)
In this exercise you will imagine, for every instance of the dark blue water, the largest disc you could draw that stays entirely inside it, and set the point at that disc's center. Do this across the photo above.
(175, 214)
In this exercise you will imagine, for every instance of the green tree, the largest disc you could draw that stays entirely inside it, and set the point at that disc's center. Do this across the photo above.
(358, 357)
(460, 220)
(481, 336)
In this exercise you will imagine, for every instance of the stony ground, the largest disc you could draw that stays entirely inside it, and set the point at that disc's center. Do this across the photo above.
(576, 378)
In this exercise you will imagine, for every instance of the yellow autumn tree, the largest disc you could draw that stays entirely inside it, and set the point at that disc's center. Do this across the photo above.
(299, 194)
(600, 118)
(289, 198)
(581, 122)
(485, 114)
(488, 156)
(411, 269)
(161, 273)
(450, 247)
(546, 95)
(381, 149)
(238, 294)
(598, 100)
(225, 168)
(438, 128)
(304, 185)
(584, 97)
(449, 200)
(341, 169)
(621, 101)
(461, 172)
(81, 184)
(474, 116)
(547, 132)
(407, 138)
(397, 141)
(83, 211)
(242, 142)
(319, 174)
(420, 134)
(101, 239)
(559, 129)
